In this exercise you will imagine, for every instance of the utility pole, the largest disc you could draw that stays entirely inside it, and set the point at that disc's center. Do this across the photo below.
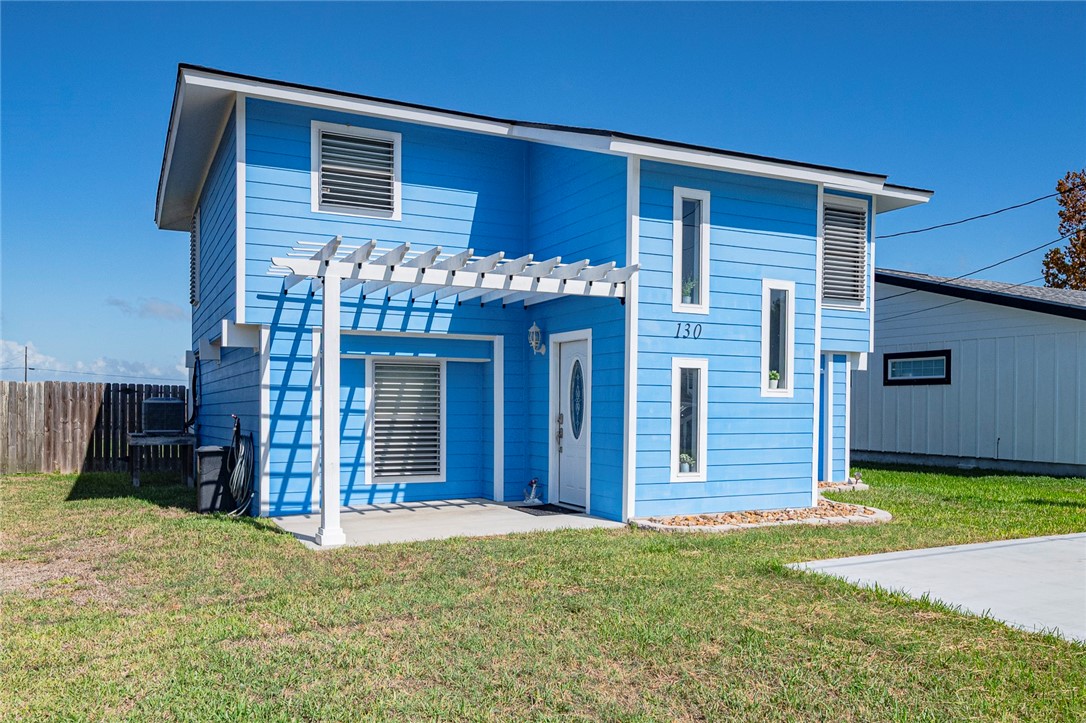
(26, 353)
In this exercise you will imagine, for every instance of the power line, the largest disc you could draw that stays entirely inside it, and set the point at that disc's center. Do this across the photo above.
(982, 268)
(98, 374)
(951, 303)
(983, 215)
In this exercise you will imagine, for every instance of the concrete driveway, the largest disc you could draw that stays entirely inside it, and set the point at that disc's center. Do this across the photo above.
(1038, 583)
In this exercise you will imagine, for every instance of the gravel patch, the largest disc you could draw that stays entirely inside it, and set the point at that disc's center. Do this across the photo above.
(827, 512)
(843, 486)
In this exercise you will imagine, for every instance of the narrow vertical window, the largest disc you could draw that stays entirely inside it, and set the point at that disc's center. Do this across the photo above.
(689, 418)
(691, 294)
(778, 331)
(691, 251)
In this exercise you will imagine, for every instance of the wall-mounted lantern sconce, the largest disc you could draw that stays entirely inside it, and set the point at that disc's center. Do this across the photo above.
(535, 340)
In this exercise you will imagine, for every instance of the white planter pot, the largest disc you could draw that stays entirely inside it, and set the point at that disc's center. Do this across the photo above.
(687, 300)
(773, 383)
(684, 467)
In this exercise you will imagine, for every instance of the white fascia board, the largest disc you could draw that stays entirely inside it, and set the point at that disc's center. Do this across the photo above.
(892, 198)
(334, 101)
(171, 141)
(858, 183)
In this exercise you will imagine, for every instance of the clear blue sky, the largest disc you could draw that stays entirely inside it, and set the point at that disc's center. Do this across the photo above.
(984, 103)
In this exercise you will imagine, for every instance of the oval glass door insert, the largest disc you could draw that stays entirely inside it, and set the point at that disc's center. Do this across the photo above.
(576, 398)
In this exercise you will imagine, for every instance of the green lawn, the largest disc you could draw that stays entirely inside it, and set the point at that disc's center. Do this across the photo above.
(122, 603)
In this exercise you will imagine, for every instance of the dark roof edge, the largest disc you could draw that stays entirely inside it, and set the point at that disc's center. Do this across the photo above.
(546, 126)
(1013, 301)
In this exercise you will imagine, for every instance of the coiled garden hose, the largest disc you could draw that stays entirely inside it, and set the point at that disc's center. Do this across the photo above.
(240, 463)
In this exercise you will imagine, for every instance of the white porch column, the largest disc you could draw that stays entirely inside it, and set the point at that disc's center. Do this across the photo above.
(330, 533)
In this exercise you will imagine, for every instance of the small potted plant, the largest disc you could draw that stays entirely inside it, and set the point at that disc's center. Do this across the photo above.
(688, 290)
(774, 378)
(686, 462)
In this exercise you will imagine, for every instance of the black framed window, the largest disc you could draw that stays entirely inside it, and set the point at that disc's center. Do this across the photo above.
(916, 367)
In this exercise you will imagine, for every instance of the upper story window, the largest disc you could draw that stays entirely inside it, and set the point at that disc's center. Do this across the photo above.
(778, 337)
(844, 251)
(690, 252)
(355, 171)
(921, 367)
(194, 259)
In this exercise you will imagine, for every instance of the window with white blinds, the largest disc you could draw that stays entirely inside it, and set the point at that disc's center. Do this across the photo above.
(356, 171)
(194, 259)
(407, 423)
(844, 252)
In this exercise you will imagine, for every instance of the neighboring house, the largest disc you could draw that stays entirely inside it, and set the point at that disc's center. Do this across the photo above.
(970, 372)
(416, 248)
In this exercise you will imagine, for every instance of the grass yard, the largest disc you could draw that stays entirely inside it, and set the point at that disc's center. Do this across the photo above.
(121, 603)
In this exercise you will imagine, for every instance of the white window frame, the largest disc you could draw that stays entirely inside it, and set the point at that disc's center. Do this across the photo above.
(371, 403)
(768, 286)
(832, 199)
(702, 365)
(315, 170)
(692, 194)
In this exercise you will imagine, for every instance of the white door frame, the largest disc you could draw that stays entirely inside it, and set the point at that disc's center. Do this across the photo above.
(554, 387)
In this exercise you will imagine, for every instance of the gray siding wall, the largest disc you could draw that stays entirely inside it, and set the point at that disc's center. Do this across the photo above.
(1018, 386)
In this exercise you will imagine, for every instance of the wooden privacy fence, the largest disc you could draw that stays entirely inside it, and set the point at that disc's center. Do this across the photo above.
(78, 426)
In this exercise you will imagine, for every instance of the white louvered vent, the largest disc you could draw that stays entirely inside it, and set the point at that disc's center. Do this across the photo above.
(844, 256)
(194, 260)
(407, 420)
(357, 172)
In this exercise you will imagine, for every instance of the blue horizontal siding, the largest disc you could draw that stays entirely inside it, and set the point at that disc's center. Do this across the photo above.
(218, 241)
(759, 449)
(840, 380)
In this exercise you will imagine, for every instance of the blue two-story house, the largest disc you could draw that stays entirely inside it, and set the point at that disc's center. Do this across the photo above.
(407, 303)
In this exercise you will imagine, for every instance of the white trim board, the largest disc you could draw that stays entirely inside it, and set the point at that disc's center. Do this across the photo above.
(815, 472)
(553, 391)
(239, 232)
(629, 420)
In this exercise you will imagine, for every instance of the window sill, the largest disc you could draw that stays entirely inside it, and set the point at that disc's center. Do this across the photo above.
(844, 306)
(687, 477)
(690, 308)
(782, 393)
(395, 480)
(356, 213)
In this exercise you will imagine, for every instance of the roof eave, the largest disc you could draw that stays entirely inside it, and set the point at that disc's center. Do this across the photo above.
(973, 294)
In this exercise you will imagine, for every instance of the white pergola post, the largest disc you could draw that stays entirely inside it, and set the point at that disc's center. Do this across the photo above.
(330, 533)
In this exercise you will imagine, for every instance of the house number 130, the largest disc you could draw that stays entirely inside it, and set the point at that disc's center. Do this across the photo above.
(686, 330)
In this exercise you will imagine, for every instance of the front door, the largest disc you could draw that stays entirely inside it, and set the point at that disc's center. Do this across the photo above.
(572, 422)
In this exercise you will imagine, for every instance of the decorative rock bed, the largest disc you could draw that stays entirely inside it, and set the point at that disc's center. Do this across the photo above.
(827, 512)
(842, 486)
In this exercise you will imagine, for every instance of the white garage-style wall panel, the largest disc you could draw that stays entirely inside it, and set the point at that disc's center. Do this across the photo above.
(1017, 390)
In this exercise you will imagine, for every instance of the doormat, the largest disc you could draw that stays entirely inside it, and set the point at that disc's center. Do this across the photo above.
(547, 509)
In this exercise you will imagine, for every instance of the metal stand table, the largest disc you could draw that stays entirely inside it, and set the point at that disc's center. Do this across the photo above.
(137, 442)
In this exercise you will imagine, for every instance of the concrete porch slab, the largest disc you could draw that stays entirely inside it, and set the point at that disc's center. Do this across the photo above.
(415, 521)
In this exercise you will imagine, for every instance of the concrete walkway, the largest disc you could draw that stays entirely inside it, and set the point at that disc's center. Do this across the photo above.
(1038, 583)
(413, 521)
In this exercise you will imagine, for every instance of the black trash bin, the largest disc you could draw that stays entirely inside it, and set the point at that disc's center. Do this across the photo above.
(213, 480)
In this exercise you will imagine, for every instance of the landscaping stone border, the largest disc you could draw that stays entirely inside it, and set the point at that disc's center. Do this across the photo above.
(877, 516)
(845, 487)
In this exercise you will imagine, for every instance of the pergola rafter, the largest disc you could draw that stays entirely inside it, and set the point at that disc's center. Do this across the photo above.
(334, 267)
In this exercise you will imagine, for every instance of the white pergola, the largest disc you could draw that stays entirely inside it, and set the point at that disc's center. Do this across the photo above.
(397, 271)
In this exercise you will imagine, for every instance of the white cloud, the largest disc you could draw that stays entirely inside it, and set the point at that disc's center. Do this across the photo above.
(149, 308)
(105, 369)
